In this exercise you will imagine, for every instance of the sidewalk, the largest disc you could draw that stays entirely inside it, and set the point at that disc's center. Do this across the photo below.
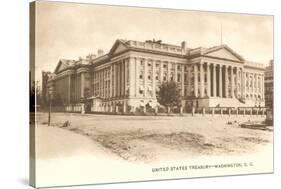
(66, 157)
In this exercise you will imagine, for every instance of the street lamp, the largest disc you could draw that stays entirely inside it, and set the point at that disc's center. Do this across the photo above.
(50, 105)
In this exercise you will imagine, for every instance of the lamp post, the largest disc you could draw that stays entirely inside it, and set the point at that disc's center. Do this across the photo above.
(50, 105)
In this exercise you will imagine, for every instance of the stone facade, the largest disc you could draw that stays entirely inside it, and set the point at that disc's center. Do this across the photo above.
(128, 77)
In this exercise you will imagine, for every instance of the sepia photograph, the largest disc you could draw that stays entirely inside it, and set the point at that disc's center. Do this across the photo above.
(125, 94)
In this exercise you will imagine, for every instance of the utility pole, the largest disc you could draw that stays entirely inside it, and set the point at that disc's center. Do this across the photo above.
(50, 107)
(50, 97)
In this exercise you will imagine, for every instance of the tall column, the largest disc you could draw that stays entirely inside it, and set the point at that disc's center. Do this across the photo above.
(256, 80)
(161, 71)
(208, 80)
(100, 83)
(243, 84)
(82, 84)
(110, 81)
(131, 77)
(137, 75)
(168, 71)
(237, 80)
(103, 82)
(202, 80)
(259, 83)
(262, 86)
(114, 80)
(125, 76)
(145, 77)
(176, 73)
(182, 80)
(220, 81)
(122, 78)
(107, 82)
(118, 79)
(153, 79)
(69, 88)
(188, 80)
(226, 82)
(214, 81)
(195, 80)
(232, 82)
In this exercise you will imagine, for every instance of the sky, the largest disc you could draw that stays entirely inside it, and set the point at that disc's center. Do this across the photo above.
(70, 30)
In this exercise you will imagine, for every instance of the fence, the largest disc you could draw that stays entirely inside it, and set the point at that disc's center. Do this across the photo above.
(193, 111)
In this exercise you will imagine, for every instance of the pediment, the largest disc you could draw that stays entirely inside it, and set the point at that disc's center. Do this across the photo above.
(118, 47)
(224, 53)
(61, 66)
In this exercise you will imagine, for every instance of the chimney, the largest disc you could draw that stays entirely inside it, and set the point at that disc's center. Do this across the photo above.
(100, 52)
(91, 57)
(184, 45)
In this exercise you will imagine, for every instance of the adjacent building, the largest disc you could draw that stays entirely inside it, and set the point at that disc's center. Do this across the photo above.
(268, 85)
(129, 75)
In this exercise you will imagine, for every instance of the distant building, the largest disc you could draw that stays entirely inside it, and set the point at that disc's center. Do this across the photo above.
(129, 76)
(268, 85)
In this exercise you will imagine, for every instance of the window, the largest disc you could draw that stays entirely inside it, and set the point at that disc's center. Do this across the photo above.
(157, 78)
(149, 77)
(179, 77)
(164, 66)
(141, 76)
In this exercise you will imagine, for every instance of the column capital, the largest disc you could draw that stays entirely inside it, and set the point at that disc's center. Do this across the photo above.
(130, 58)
